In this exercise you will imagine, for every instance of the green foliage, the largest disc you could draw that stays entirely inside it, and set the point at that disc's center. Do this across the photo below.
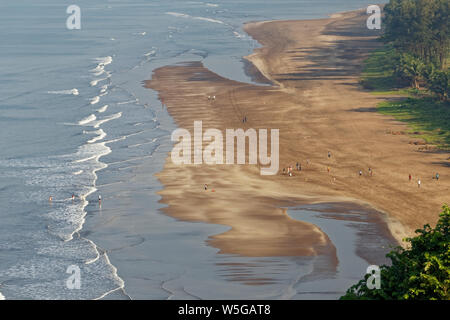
(428, 118)
(420, 28)
(379, 70)
(419, 272)
(411, 69)
(439, 84)
(417, 37)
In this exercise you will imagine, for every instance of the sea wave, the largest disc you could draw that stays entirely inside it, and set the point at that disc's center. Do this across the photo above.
(71, 91)
(106, 119)
(183, 15)
(95, 100)
(151, 53)
(102, 63)
(88, 119)
(239, 35)
(103, 109)
(101, 135)
(94, 82)
(127, 102)
(60, 176)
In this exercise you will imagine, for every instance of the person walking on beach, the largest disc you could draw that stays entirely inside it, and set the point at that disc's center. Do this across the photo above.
(99, 199)
(329, 154)
(206, 186)
(296, 165)
(437, 176)
(370, 172)
(328, 169)
(418, 183)
(410, 177)
(360, 173)
(50, 199)
(73, 197)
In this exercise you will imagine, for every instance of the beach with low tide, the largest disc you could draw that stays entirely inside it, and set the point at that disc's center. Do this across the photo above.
(327, 123)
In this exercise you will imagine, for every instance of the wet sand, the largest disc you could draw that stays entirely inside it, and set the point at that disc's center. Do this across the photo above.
(316, 102)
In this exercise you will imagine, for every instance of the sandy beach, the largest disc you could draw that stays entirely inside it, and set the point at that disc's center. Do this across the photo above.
(317, 103)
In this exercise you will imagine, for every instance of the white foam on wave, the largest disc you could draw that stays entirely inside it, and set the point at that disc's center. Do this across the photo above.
(88, 119)
(106, 119)
(151, 53)
(177, 14)
(102, 63)
(103, 109)
(69, 220)
(142, 144)
(183, 15)
(2, 297)
(121, 283)
(93, 83)
(78, 172)
(101, 134)
(209, 20)
(98, 70)
(95, 100)
(104, 88)
(238, 35)
(89, 152)
(127, 102)
(91, 120)
(84, 159)
(71, 91)
(212, 5)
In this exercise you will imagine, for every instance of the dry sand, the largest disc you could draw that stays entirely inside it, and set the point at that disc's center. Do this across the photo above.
(318, 105)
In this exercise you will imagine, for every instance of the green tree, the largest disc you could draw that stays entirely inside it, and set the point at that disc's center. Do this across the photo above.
(419, 272)
(420, 28)
(411, 69)
(439, 84)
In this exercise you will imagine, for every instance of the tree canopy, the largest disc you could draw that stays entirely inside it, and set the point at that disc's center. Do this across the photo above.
(419, 27)
(419, 272)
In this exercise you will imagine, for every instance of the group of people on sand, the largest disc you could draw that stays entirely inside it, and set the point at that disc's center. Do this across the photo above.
(360, 173)
(206, 188)
(419, 182)
(288, 171)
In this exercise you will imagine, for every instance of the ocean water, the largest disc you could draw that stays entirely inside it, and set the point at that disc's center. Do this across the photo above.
(76, 120)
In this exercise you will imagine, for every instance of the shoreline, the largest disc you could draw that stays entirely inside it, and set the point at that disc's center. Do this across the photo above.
(291, 56)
